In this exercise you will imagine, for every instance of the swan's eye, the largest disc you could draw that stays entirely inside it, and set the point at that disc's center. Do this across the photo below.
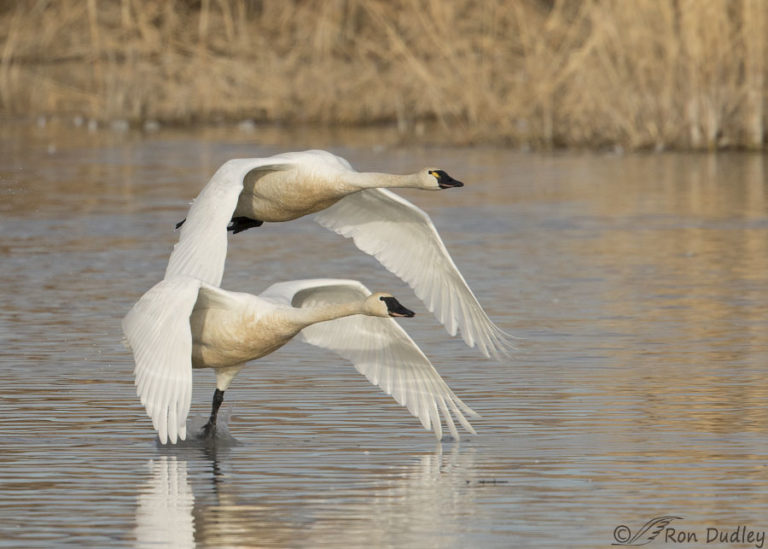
(381, 298)
(440, 175)
(444, 180)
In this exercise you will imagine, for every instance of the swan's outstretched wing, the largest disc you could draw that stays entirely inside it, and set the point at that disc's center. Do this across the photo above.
(380, 350)
(202, 247)
(158, 332)
(402, 237)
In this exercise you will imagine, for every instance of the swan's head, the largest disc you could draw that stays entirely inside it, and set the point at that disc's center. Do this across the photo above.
(384, 305)
(437, 179)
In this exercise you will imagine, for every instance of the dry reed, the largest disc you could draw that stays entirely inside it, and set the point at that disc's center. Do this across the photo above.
(640, 74)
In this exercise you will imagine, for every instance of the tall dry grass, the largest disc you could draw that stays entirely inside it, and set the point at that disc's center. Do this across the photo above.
(640, 74)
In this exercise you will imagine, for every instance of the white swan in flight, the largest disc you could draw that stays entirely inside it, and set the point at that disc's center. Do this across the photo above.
(183, 323)
(244, 193)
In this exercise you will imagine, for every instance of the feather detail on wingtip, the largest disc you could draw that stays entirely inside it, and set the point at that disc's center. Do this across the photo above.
(367, 215)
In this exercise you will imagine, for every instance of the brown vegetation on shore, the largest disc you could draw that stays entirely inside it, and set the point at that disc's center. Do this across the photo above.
(541, 73)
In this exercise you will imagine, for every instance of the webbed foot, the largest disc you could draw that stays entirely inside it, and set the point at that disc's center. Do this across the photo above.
(209, 429)
(240, 224)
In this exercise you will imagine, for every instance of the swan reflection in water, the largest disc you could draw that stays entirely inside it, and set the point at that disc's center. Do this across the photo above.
(397, 506)
(164, 508)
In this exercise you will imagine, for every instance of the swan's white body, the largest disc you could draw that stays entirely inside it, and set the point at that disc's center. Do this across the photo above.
(183, 323)
(399, 234)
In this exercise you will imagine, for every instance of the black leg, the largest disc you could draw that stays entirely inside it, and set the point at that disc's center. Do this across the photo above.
(240, 224)
(209, 429)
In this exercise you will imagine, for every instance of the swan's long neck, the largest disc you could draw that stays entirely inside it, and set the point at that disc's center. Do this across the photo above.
(306, 316)
(370, 180)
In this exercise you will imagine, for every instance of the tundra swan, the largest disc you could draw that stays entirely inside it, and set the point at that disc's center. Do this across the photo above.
(245, 193)
(183, 323)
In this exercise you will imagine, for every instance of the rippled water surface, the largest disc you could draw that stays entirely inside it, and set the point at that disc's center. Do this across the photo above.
(637, 285)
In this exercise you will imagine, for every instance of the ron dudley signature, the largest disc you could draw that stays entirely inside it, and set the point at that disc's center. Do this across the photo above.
(662, 530)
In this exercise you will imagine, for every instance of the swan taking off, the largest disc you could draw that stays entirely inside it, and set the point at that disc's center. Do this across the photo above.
(183, 323)
(245, 193)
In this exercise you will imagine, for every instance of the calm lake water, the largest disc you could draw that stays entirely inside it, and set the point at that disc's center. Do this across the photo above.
(637, 284)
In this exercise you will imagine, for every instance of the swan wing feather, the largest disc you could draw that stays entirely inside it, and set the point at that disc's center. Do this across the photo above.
(158, 332)
(202, 247)
(380, 350)
(404, 239)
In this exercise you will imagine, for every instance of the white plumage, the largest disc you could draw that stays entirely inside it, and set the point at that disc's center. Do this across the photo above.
(157, 331)
(354, 204)
(183, 323)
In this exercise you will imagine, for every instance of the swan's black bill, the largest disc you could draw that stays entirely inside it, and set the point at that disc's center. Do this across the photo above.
(180, 223)
(445, 181)
(395, 308)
